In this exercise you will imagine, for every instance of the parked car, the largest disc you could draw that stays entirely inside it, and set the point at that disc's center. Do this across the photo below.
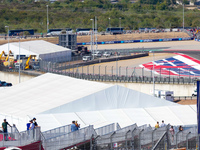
(107, 54)
(97, 54)
(86, 58)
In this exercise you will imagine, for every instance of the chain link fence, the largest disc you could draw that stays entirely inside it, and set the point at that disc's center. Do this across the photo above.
(115, 73)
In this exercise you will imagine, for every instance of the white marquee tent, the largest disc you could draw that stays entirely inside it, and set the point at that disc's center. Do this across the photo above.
(39, 48)
(66, 99)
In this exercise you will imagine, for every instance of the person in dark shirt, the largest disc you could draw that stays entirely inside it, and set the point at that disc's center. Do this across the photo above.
(5, 130)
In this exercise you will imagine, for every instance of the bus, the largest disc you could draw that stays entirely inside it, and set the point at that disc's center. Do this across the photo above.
(58, 31)
(18, 31)
(83, 31)
(115, 30)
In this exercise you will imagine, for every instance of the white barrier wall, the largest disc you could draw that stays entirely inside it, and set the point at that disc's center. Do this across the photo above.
(14, 77)
(179, 90)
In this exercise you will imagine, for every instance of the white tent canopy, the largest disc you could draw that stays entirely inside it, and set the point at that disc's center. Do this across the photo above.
(57, 100)
(39, 48)
(51, 93)
(175, 115)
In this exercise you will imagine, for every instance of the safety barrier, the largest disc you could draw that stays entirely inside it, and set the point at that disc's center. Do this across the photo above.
(69, 139)
(57, 131)
(16, 138)
(138, 41)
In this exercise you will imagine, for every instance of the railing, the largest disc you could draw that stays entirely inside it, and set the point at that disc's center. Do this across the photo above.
(178, 98)
(148, 138)
(69, 139)
(107, 129)
(57, 131)
(16, 138)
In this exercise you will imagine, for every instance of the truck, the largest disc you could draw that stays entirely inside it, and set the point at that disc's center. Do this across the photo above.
(168, 95)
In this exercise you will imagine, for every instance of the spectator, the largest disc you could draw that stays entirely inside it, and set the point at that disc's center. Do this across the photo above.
(162, 124)
(5, 131)
(77, 125)
(73, 126)
(171, 130)
(180, 128)
(32, 125)
(157, 125)
(35, 123)
(28, 125)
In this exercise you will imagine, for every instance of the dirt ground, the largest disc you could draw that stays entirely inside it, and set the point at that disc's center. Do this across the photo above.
(187, 102)
(133, 36)
(119, 37)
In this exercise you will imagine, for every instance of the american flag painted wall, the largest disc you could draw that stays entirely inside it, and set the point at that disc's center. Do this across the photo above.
(179, 65)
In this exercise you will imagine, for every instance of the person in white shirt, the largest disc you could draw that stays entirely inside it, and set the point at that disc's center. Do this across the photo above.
(163, 124)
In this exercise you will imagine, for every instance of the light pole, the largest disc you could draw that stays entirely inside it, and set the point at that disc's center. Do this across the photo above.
(109, 22)
(120, 24)
(96, 31)
(8, 37)
(183, 16)
(92, 37)
(47, 19)
(19, 60)
(153, 74)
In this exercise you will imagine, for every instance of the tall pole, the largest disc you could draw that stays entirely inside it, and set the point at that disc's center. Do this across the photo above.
(183, 16)
(8, 38)
(96, 31)
(153, 76)
(92, 37)
(47, 20)
(19, 60)
(120, 24)
(109, 22)
(93, 34)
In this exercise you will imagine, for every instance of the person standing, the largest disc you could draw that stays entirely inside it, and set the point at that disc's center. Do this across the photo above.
(171, 130)
(5, 130)
(77, 125)
(31, 129)
(28, 125)
(180, 128)
(163, 124)
(157, 125)
(73, 126)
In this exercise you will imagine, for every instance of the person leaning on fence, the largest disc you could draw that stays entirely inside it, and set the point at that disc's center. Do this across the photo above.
(157, 125)
(5, 130)
(32, 125)
(35, 123)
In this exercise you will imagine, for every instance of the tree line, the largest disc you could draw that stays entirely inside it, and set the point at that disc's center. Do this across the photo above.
(26, 14)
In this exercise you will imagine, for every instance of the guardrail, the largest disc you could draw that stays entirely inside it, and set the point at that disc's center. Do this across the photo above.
(178, 98)
(139, 41)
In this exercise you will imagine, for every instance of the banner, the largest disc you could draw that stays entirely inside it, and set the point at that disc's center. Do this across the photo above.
(137, 41)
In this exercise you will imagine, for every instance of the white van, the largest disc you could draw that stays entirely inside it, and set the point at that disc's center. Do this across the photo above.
(194, 93)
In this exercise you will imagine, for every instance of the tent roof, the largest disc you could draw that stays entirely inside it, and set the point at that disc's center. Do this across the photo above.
(33, 47)
(51, 93)
(174, 115)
